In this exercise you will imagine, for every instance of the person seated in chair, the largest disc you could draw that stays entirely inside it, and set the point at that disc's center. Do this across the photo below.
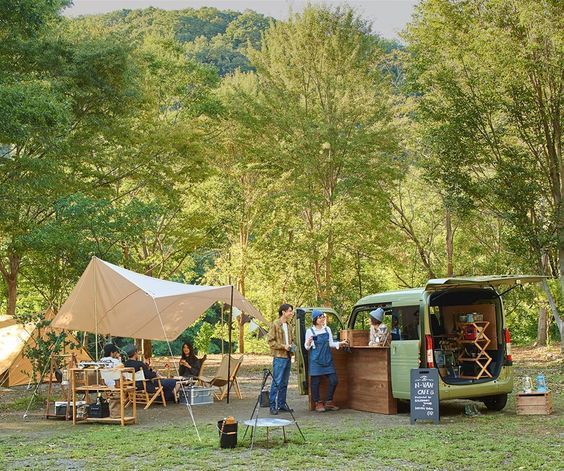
(189, 365)
(170, 387)
(111, 360)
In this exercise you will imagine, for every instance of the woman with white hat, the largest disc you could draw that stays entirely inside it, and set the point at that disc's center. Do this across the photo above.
(319, 341)
(379, 334)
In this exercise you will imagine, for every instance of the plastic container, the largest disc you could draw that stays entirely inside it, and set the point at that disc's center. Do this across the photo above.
(227, 432)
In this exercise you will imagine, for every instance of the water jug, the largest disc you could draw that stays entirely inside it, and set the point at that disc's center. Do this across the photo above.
(541, 383)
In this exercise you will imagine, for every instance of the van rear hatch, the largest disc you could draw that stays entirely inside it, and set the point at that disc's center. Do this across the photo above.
(493, 281)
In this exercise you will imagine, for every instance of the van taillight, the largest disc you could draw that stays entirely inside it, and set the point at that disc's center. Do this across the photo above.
(508, 355)
(429, 349)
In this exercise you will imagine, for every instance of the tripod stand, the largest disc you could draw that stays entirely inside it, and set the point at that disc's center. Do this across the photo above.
(255, 422)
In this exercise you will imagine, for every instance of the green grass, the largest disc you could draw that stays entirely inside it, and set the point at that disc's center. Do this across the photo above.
(361, 441)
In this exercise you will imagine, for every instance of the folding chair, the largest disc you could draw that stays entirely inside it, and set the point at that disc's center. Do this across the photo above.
(221, 380)
(202, 368)
(143, 395)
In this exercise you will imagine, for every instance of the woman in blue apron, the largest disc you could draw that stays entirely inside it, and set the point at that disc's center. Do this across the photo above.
(319, 341)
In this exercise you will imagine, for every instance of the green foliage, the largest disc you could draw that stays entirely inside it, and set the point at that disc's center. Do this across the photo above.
(203, 338)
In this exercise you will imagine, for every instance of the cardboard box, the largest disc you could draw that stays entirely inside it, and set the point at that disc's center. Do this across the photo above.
(196, 395)
(356, 338)
(534, 403)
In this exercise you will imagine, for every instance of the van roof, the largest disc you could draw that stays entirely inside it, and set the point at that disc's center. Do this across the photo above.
(404, 297)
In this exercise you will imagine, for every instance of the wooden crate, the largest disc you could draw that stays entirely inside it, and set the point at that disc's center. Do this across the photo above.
(534, 403)
(356, 338)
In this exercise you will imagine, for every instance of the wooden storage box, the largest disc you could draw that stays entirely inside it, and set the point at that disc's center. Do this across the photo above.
(534, 403)
(356, 338)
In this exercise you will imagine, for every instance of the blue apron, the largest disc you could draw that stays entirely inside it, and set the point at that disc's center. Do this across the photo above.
(320, 357)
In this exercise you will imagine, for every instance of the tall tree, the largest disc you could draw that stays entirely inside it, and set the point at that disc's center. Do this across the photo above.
(490, 74)
(330, 121)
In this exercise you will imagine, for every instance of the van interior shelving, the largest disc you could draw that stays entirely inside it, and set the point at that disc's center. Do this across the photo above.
(466, 351)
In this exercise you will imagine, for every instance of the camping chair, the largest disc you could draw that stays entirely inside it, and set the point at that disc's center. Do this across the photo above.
(143, 395)
(200, 377)
(220, 379)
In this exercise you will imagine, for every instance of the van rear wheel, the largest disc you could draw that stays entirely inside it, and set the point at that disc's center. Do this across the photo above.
(495, 403)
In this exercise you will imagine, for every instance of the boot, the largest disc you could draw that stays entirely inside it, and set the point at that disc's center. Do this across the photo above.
(319, 407)
(330, 405)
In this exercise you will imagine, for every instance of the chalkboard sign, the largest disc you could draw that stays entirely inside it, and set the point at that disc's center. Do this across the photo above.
(424, 394)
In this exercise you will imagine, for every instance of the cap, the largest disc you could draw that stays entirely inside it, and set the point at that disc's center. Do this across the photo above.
(377, 314)
(315, 314)
(130, 349)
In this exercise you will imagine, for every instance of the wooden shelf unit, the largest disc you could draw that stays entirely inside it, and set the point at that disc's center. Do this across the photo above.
(68, 361)
(88, 381)
(482, 359)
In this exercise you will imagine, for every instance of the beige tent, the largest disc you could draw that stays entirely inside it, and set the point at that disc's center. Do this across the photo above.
(15, 367)
(112, 300)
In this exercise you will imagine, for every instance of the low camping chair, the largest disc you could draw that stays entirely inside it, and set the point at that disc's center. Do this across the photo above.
(202, 368)
(221, 380)
(143, 395)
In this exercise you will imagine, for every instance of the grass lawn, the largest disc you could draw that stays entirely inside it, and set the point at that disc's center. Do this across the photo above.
(341, 440)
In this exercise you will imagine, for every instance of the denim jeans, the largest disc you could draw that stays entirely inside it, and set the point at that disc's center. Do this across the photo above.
(315, 380)
(280, 378)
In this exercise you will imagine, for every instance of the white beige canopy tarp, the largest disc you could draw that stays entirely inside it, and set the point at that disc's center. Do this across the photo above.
(112, 300)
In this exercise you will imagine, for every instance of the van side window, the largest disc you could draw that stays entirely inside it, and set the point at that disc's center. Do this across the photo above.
(405, 323)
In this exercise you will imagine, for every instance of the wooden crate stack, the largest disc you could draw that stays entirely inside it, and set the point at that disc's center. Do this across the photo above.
(535, 403)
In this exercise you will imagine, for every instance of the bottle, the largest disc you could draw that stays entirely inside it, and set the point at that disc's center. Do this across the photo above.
(527, 385)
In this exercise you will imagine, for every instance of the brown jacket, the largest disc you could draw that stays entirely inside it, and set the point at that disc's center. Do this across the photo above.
(276, 340)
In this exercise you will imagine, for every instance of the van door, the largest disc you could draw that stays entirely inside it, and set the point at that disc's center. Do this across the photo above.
(302, 323)
(404, 356)
(405, 348)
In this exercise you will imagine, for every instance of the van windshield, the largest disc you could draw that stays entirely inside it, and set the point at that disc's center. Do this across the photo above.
(402, 322)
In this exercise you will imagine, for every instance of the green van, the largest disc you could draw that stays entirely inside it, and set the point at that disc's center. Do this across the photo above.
(456, 325)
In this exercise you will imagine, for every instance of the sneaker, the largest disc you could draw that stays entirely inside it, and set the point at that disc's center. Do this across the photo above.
(273, 411)
(285, 409)
(319, 407)
(330, 405)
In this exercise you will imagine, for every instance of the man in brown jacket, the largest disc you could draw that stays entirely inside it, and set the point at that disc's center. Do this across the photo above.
(280, 342)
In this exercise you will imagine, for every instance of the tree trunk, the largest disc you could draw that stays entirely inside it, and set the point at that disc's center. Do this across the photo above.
(147, 348)
(449, 243)
(554, 310)
(542, 327)
(10, 274)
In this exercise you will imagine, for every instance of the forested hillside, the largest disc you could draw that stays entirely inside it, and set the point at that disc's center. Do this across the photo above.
(305, 161)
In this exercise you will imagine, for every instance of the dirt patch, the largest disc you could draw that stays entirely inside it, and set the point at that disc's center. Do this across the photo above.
(250, 377)
(527, 355)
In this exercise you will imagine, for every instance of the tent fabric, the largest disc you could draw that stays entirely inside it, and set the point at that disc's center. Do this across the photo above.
(112, 300)
(15, 367)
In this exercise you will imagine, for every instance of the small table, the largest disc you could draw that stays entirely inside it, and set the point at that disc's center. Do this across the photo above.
(268, 423)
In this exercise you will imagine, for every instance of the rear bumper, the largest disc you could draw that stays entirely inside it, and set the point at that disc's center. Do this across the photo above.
(503, 384)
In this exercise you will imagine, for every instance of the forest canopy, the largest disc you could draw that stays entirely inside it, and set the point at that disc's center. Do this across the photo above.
(307, 161)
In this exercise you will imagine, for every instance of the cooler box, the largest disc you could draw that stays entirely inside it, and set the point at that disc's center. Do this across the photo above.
(61, 407)
(196, 395)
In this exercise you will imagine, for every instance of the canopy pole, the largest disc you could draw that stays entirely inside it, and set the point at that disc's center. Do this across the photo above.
(96, 312)
(176, 367)
(230, 347)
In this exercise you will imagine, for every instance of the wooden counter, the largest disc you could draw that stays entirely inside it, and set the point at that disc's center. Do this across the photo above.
(364, 380)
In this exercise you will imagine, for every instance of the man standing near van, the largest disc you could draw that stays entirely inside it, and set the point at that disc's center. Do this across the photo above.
(280, 343)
